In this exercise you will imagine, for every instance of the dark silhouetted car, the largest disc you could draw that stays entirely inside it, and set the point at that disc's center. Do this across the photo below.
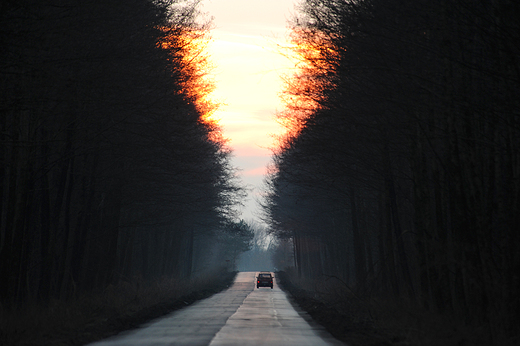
(264, 279)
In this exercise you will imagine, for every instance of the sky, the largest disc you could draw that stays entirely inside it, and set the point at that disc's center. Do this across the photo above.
(247, 75)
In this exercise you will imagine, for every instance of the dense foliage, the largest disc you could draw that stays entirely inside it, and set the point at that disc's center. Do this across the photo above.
(400, 171)
(109, 167)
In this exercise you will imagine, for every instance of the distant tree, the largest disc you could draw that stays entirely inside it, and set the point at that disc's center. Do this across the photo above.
(235, 239)
(259, 257)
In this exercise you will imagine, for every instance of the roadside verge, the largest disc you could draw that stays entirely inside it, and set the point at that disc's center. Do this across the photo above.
(95, 317)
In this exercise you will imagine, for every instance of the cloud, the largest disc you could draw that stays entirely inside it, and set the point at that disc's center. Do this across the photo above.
(249, 151)
(260, 171)
(252, 163)
(250, 16)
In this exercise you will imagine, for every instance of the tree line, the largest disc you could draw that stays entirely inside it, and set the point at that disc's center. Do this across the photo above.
(399, 173)
(110, 168)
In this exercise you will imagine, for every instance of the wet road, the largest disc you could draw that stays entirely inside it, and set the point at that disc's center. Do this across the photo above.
(241, 315)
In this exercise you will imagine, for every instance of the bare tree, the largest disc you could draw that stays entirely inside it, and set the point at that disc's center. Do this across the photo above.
(400, 155)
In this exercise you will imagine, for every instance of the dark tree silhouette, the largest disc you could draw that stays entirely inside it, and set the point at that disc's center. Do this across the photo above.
(401, 152)
(110, 168)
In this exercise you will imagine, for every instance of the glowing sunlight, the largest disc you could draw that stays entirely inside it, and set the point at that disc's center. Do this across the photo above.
(247, 76)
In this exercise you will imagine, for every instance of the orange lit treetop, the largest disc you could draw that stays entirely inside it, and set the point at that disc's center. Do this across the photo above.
(315, 61)
(187, 48)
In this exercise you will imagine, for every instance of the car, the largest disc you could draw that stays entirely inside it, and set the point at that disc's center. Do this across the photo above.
(264, 279)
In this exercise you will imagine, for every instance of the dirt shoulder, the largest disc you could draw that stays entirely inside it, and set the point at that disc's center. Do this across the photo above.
(339, 324)
(105, 326)
(97, 317)
(378, 322)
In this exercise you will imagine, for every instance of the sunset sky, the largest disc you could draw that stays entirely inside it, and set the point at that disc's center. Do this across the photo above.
(247, 74)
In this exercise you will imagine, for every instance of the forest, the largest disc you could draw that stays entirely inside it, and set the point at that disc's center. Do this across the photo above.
(111, 169)
(398, 176)
(399, 173)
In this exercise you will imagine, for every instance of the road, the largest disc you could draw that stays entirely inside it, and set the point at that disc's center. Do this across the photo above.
(241, 315)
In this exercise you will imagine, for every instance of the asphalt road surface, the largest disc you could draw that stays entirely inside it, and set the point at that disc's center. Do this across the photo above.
(241, 315)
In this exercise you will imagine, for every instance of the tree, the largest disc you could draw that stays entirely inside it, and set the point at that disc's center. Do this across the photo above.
(398, 166)
(236, 239)
(110, 166)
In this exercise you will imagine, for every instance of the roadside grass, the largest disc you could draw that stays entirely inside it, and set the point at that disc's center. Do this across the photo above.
(90, 317)
(364, 320)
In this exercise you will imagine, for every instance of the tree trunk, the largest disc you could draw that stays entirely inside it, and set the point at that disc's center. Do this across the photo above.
(359, 246)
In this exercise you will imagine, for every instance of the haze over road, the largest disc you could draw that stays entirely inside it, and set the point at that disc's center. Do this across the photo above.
(241, 315)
